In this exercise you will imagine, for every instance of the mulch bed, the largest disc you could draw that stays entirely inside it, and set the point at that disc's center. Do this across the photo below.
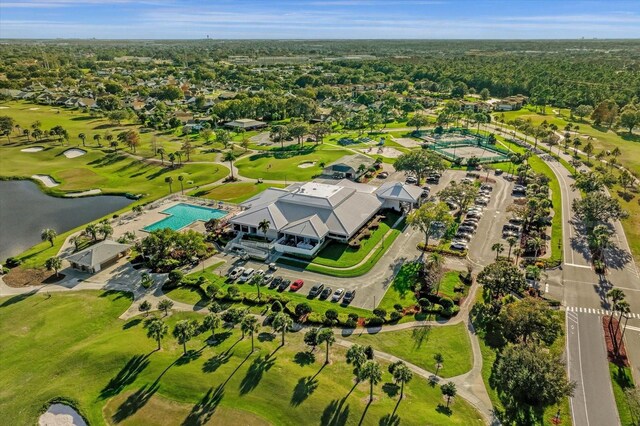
(21, 277)
(609, 333)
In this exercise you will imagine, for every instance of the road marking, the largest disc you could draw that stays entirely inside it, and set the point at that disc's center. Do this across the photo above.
(577, 266)
(630, 327)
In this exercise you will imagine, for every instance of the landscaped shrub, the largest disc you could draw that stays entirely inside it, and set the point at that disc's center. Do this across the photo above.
(252, 299)
(303, 309)
(233, 315)
(446, 303)
(398, 307)
(175, 276)
(215, 307)
(12, 262)
(290, 307)
(374, 321)
(353, 316)
(211, 289)
(379, 312)
(395, 316)
(233, 290)
(315, 318)
(349, 323)
(424, 302)
(449, 312)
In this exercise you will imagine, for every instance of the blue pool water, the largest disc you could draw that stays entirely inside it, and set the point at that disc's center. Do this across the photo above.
(182, 215)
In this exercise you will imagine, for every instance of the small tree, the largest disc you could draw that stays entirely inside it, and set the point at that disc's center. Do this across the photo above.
(311, 338)
(169, 180)
(230, 157)
(48, 234)
(211, 322)
(183, 331)
(401, 374)
(145, 307)
(282, 322)
(164, 305)
(498, 248)
(370, 371)
(250, 325)
(439, 359)
(326, 336)
(53, 264)
(449, 391)
(156, 330)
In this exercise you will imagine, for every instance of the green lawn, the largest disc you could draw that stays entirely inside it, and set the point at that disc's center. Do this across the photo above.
(234, 192)
(340, 255)
(108, 367)
(419, 345)
(401, 289)
(449, 281)
(285, 165)
(622, 380)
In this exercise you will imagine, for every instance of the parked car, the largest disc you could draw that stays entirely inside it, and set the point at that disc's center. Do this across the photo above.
(463, 236)
(297, 285)
(316, 290)
(499, 172)
(411, 179)
(466, 229)
(246, 275)
(326, 293)
(473, 220)
(284, 284)
(486, 187)
(383, 175)
(474, 213)
(236, 273)
(267, 279)
(276, 282)
(349, 296)
(516, 221)
(433, 179)
(452, 205)
(469, 224)
(483, 201)
(467, 180)
(458, 245)
(259, 272)
(273, 267)
(337, 295)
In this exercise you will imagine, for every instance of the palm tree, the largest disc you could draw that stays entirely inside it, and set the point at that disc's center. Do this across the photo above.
(498, 248)
(165, 305)
(83, 137)
(97, 138)
(512, 242)
(211, 322)
(434, 264)
(92, 230)
(326, 336)
(183, 332)
(518, 252)
(263, 226)
(48, 234)
(356, 356)
(172, 159)
(402, 374)
(161, 152)
(449, 390)
(230, 157)
(156, 330)
(257, 280)
(599, 239)
(181, 179)
(53, 264)
(371, 371)
(75, 240)
(114, 144)
(250, 325)
(616, 295)
(282, 322)
(536, 243)
(179, 155)
(439, 359)
(169, 180)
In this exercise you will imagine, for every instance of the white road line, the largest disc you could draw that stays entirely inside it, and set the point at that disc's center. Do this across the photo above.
(630, 327)
(577, 266)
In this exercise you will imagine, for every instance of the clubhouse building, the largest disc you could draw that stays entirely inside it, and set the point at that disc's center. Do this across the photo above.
(303, 216)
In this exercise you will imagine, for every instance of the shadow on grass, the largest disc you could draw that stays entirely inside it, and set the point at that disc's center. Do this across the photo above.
(420, 335)
(191, 355)
(17, 299)
(215, 362)
(336, 413)
(134, 402)
(129, 324)
(205, 408)
(390, 420)
(303, 358)
(255, 372)
(266, 337)
(125, 376)
(219, 338)
(443, 409)
(391, 389)
(305, 387)
(364, 413)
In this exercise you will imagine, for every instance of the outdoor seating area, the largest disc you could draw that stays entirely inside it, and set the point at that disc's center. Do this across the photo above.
(365, 231)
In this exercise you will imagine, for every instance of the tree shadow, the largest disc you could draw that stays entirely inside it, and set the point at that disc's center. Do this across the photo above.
(129, 324)
(305, 387)
(205, 408)
(303, 358)
(391, 389)
(191, 355)
(215, 362)
(255, 372)
(219, 338)
(419, 335)
(390, 420)
(443, 409)
(17, 299)
(335, 414)
(364, 413)
(266, 337)
(125, 376)
(134, 402)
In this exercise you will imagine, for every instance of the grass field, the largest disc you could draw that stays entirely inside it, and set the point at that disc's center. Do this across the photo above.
(621, 380)
(234, 192)
(102, 362)
(419, 345)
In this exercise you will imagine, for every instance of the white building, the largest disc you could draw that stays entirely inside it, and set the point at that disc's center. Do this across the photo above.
(303, 216)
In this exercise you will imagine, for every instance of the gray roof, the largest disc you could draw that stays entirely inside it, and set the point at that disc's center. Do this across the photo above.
(98, 253)
(352, 161)
(399, 191)
(245, 122)
(307, 227)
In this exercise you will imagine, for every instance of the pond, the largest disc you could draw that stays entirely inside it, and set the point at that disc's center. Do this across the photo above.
(25, 211)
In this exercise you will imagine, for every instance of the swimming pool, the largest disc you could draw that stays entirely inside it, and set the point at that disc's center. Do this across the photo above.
(182, 215)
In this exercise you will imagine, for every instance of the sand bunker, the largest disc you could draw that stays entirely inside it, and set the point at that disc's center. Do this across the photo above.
(33, 109)
(382, 151)
(74, 152)
(33, 149)
(4, 107)
(48, 181)
(307, 164)
(61, 415)
(83, 193)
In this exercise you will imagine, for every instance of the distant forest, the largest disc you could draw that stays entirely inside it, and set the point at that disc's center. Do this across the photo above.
(563, 73)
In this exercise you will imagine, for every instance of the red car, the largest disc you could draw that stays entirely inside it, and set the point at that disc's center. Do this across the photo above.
(297, 285)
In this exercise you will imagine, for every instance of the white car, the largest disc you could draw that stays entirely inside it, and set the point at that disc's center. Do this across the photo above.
(246, 275)
(235, 273)
(337, 295)
(411, 179)
(458, 245)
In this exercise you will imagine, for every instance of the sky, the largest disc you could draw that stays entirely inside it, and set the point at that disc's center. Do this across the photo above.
(315, 19)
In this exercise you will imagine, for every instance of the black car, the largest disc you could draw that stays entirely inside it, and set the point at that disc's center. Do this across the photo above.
(283, 285)
(275, 282)
(316, 290)
(326, 293)
(348, 296)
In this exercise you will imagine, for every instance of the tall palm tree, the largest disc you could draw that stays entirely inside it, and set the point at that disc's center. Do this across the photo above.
(512, 242)
(439, 359)
(181, 180)
(356, 356)
(48, 234)
(498, 248)
(282, 322)
(92, 230)
(169, 180)
(402, 374)
(257, 280)
(156, 330)
(230, 157)
(211, 322)
(326, 336)
(97, 138)
(263, 226)
(161, 152)
(183, 331)
(615, 295)
(83, 137)
(250, 325)
(53, 264)
(371, 371)
(172, 159)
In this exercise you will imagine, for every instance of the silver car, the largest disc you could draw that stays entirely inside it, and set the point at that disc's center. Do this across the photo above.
(337, 295)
